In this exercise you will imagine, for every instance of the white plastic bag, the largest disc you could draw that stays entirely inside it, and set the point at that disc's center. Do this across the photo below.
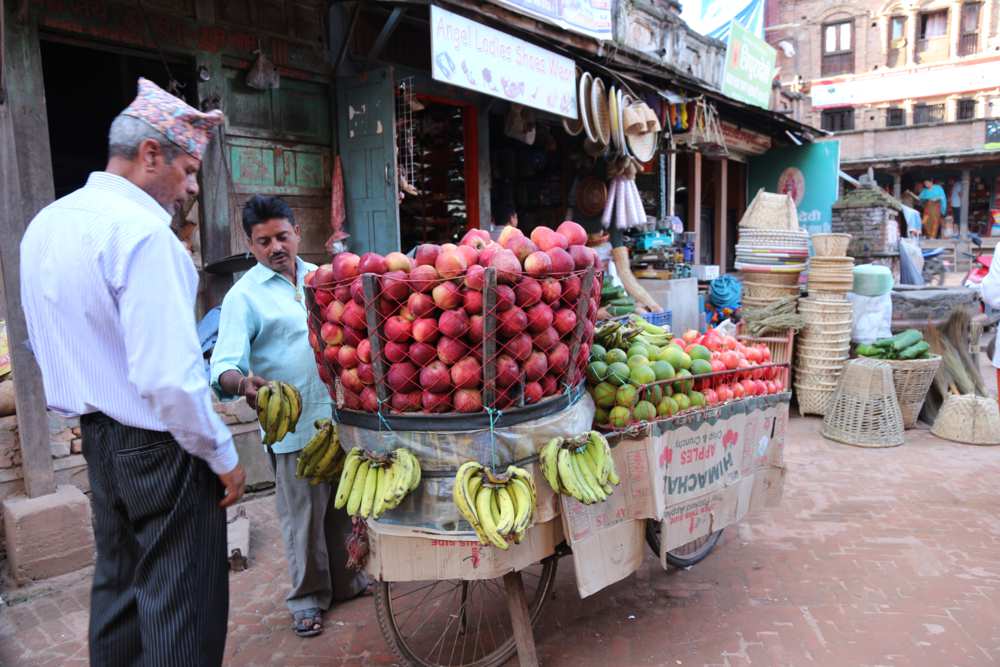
(872, 317)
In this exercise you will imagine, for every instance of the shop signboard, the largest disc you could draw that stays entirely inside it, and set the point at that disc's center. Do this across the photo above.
(893, 85)
(470, 55)
(713, 17)
(749, 67)
(743, 141)
(992, 135)
(586, 17)
(808, 173)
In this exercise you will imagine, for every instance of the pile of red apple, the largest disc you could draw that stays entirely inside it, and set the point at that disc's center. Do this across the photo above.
(431, 318)
(746, 378)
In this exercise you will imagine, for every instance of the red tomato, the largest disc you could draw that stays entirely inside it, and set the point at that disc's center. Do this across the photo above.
(731, 359)
(710, 396)
(738, 390)
(717, 363)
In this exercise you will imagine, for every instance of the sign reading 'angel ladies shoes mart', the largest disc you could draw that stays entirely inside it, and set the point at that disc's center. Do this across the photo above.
(470, 55)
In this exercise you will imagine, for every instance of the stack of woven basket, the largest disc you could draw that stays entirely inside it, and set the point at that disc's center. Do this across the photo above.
(822, 349)
(770, 262)
(830, 269)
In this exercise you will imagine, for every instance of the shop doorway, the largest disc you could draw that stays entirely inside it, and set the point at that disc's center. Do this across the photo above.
(85, 88)
(438, 149)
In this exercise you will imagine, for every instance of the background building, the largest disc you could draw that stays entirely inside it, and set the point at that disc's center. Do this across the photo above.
(911, 88)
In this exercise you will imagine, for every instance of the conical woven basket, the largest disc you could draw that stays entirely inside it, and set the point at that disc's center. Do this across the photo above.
(974, 420)
(813, 400)
(831, 245)
(864, 411)
(913, 378)
(770, 211)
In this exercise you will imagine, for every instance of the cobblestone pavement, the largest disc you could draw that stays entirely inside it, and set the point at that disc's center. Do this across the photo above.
(875, 557)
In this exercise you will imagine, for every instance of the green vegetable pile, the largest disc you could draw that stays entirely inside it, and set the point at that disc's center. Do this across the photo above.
(909, 344)
(615, 299)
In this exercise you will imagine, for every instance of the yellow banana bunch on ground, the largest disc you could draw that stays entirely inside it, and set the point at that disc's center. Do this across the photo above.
(499, 507)
(581, 467)
(372, 484)
(279, 406)
(322, 458)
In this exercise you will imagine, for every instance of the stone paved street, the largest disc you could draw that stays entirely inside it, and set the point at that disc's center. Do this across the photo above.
(875, 557)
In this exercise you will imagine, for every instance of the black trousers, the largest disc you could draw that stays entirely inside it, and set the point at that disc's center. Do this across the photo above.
(161, 582)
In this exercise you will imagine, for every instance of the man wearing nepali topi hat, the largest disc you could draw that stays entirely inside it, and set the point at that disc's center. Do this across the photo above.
(108, 293)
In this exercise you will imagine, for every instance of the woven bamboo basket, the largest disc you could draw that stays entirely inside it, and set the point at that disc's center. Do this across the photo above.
(813, 363)
(974, 420)
(826, 341)
(817, 380)
(759, 291)
(779, 279)
(808, 345)
(864, 411)
(756, 302)
(813, 400)
(814, 305)
(912, 379)
(818, 331)
(769, 210)
(830, 245)
(829, 294)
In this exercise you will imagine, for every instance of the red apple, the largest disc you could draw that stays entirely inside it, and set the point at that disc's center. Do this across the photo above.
(450, 263)
(426, 254)
(473, 302)
(508, 372)
(564, 321)
(451, 350)
(519, 347)
(364, 351)
(507, 266)
(354, 316)
(369, 399)
(407, 401)
(538, 263)
(466, 374)
(536, 366)
(425, 330)
(558, 358)
(550, 385)
(547, 239)
(396, 352)
(505, 298)
(342, 293)
(349, 378)
(487, 253)
(395, 287)
(435, 377)
(347, 357)
(447, 296)
(353, 336)
(423, 278)
(372, 262)
(532, 393)
(539, 318)
(546, 339)
(551, 290)
(422, 353)
(528, 292)
(468, 400)
(575, 234)
(570, 286)
(511, 322)
(324, 275)
(402, 376)
(332, 334)
(323, 297)
(507, 234)
(470, 254)
(351, 400)
(398, 329)
(345, 266)
(476, 238)
(331, 354)
(561, 262)
(366, 373)
(334, 312)
(397, 261)
(522, 247)
(475, 277)
(476, 328)
(420, 305)
(434, 403)
(387, 307)
(453, 323)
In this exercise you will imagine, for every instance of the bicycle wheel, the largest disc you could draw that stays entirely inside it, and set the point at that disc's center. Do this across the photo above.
(685, 555)
(454, 623)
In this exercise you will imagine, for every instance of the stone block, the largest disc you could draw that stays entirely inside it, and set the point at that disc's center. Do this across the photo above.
(60, 449)
(49, 535)
(76, 447)
(254, 458)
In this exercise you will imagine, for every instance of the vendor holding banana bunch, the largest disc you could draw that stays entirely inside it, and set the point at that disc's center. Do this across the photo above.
(263, 331)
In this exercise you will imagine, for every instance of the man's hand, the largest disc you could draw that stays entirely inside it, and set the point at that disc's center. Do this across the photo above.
(250, 387)
(235, 482)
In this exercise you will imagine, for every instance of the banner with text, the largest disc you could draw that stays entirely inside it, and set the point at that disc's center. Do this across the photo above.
(806, 173)
(749, 67)
(586, 17)
(470, 55)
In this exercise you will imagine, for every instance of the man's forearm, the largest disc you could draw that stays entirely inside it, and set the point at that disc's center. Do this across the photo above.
(230, 382)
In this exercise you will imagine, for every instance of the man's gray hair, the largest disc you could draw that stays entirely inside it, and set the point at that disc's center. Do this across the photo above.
(127, 132)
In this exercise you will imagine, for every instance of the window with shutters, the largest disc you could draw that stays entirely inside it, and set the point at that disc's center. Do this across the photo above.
(968, 40)
(837, 120)
(932, 41)
(897, 41)
(928, 113)
(895, 117)
(838, 48)
(966, 110)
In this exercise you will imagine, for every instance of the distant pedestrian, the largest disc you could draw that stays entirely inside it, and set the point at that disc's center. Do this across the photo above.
(108, 293)
(955, 199)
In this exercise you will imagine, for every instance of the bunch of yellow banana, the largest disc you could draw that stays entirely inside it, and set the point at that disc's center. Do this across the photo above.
(581, 467)
(499, 507)
(372, 484)
(279, 406)
(322, 458)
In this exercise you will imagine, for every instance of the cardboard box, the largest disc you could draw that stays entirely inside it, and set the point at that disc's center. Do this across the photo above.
(607, 555)
(698, 458)
(398, 553)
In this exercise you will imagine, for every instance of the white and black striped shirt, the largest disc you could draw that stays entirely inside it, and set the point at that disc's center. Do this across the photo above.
(108, 293)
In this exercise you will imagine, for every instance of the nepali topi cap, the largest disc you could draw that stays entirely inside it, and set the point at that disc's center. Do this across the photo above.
(179, 122)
